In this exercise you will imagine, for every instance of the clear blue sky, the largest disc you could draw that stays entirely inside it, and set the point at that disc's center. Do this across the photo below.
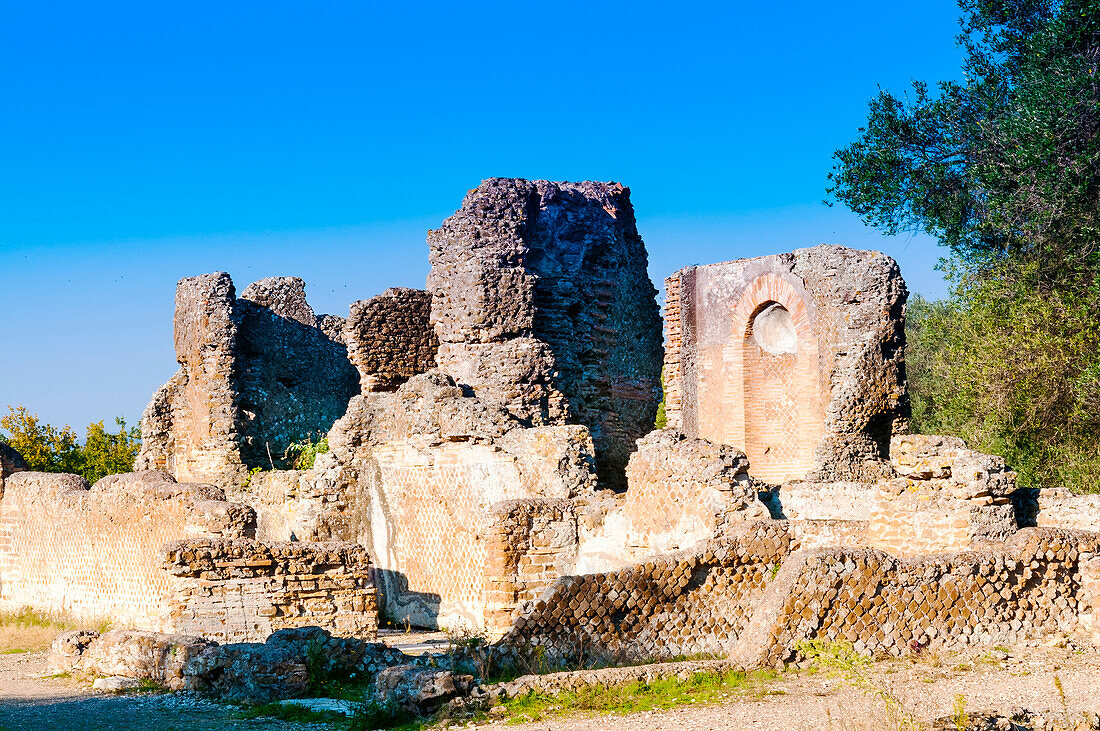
(144, 142)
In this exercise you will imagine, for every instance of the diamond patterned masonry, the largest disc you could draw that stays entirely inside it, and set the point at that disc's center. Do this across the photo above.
(151, 554)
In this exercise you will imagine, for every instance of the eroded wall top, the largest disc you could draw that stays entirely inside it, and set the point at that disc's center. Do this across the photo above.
(257, 373)
(542, 303)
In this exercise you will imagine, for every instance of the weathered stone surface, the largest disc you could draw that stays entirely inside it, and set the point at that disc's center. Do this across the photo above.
(248, 673)
(419, 689)
(10, 463)
(242, 590)
(952, 499)
(115, 684)
(684, 490)
(1057, 507)
(542, 303)
(808, 378)
(754, 600)
(131, 654)
(430, 460)
(803, 500)
(390, 338)
(257, 374)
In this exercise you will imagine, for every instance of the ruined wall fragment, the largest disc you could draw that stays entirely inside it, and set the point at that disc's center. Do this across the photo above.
(390, 338)
(682, 491)
(10, 463)
(542, 303)
(797, 358)
(257, 373)
(92, 552)
(424, 467)
(949, 498)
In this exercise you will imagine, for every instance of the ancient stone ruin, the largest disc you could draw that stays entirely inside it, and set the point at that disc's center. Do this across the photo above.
(796, 358)
(493, 464)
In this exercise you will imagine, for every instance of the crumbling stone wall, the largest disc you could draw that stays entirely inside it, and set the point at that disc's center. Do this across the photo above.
(424, 465)
(542, 304)
(1027, 587)
(300, 505)
(753, 599)
(686, 603)
(145, 552)
(796, 358)
(682, 491)
(948, 498)
(257, 373)
(529, 545)
(240, 590)
(390, 338)
(10, 463)
(94, 552)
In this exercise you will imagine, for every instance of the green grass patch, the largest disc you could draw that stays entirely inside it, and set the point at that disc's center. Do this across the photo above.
(28, 630)
(292, 714)
(636, 697)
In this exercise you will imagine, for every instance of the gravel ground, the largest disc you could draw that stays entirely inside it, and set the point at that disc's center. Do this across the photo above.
(29, 700)
(928, 685)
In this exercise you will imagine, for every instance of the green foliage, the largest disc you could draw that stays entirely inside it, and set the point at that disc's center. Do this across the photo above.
(1002, 166)
(48, 449)
(304, 453)
(662, 417)
(1004, 169)
(1013, 371)
(374, 715)
(665, 693)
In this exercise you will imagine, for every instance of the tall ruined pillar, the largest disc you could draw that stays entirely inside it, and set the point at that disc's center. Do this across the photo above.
(542, 303)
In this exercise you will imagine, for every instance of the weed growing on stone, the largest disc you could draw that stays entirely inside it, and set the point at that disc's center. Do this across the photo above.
(958, 713)
(304, 453)
(700, 688)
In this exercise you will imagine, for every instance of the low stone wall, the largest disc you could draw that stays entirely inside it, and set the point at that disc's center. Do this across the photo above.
(681, 604)
(801, 500)
(243, 590)
(751, 599)
(101, 553)
(95, 552)
(1040, 581)
(1059, 508)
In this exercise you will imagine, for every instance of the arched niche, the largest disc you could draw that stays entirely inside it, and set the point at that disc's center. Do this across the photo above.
(776, 384)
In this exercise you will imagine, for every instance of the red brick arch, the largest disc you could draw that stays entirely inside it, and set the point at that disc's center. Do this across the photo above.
(776, 399)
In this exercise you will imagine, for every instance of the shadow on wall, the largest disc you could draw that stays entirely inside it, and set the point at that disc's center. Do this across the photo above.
(402, 607)
(294, 384)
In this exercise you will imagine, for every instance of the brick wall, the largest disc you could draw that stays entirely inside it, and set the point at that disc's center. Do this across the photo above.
(823, 408)
(243, 590)
(751, 598)
(95, 552)
(390, 338)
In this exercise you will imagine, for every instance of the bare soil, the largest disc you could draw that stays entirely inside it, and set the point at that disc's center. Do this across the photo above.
(927, 685)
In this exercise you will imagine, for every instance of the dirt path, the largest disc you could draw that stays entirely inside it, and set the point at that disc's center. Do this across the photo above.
(927, 686)
(30, 701)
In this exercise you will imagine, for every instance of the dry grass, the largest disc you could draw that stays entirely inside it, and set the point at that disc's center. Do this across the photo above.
(28, 630)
